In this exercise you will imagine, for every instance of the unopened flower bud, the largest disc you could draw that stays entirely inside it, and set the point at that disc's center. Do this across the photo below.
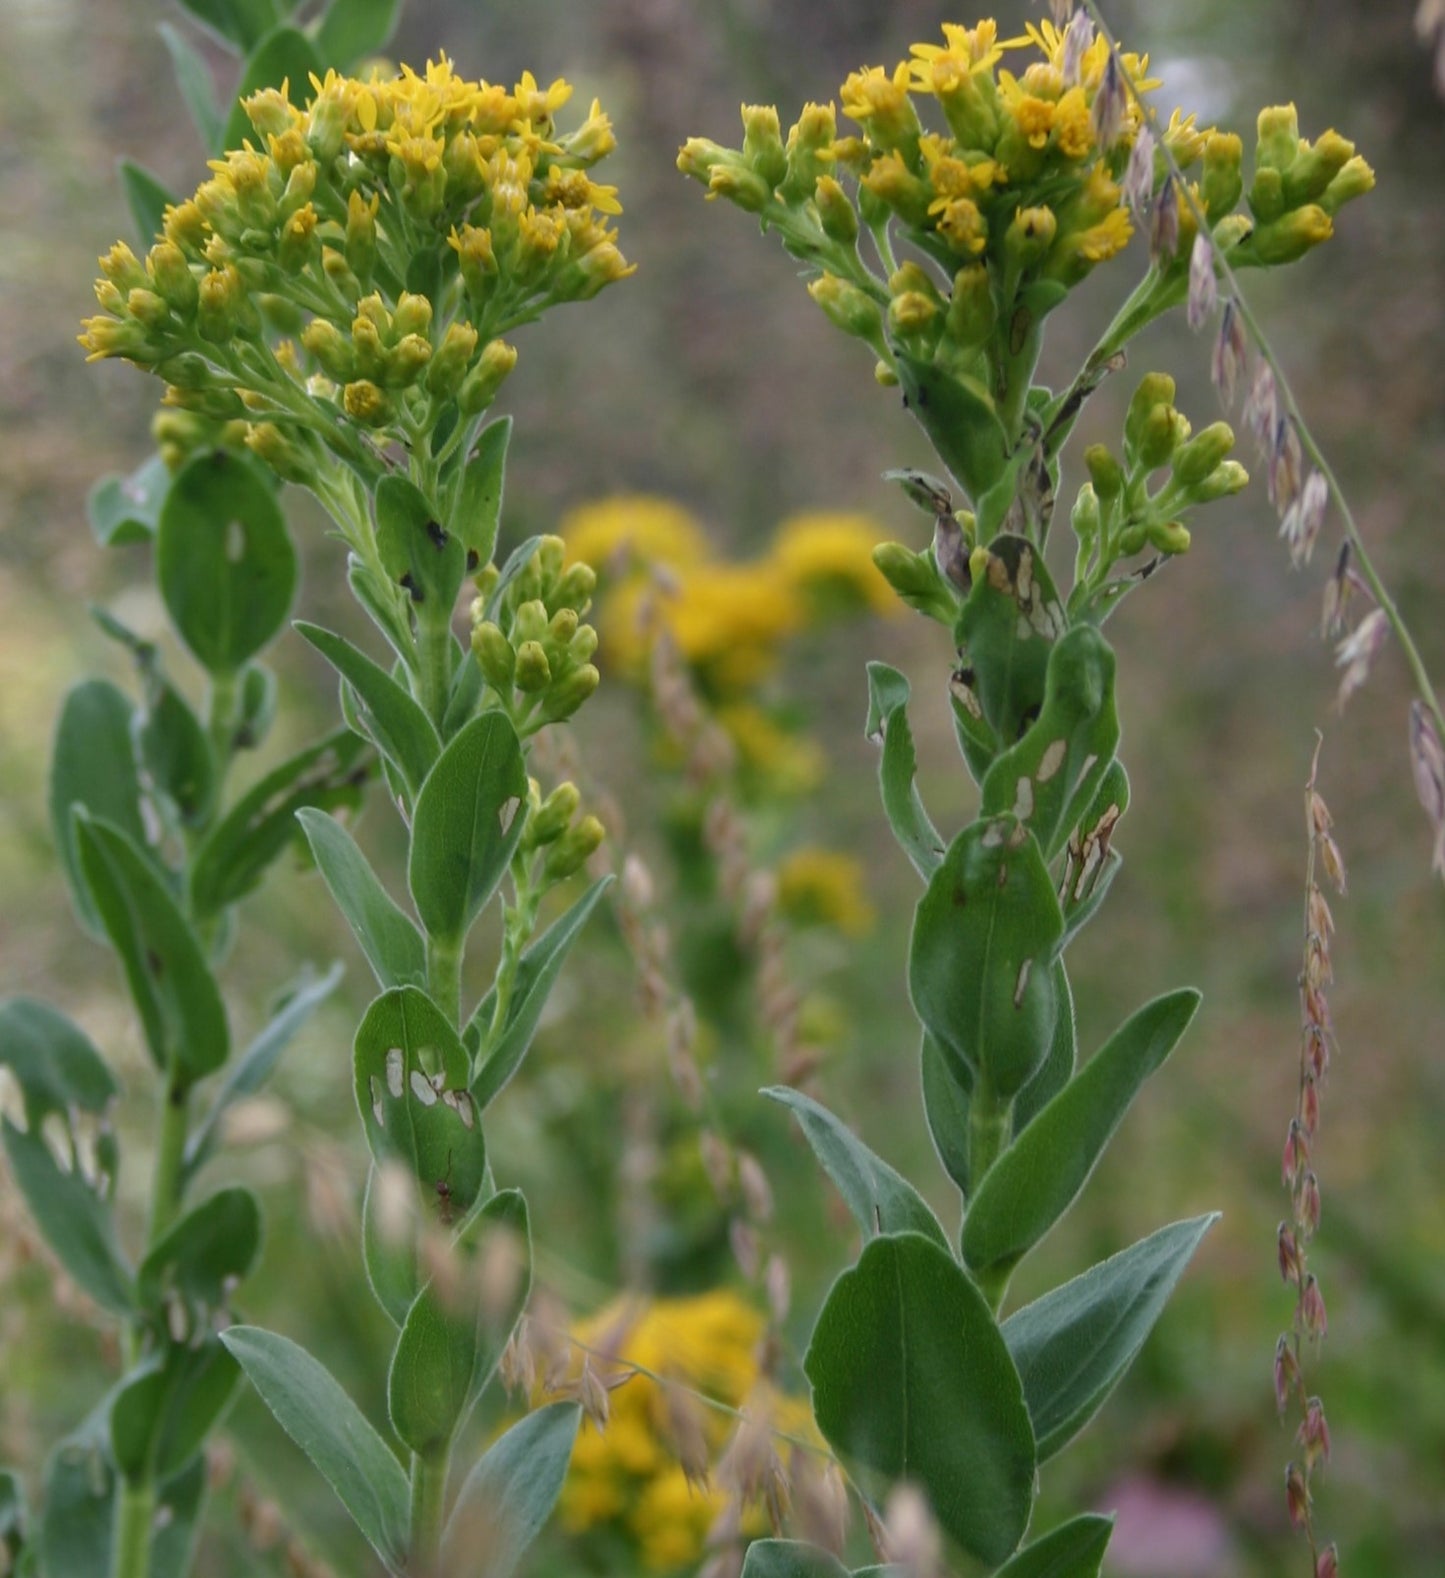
(1084, 517)
(849, 308)
(836, 213)
(297, 243)
(172, 278)
(367, 403)
(576, 587)
(480, 386)
(534, 673)
(449, 364)
(1030, 234)
(1291, 235)
(495, 656)
(1105, 472)
(572, 851)
(1163, 431)
(739, 185)
(763, 143)
(406, 362)
(582, 646)
(553, 817)
(568, 694)
(1154, 389)
(1227, 479)
(219, 304)
(331, 348)
(284, 456)
(361, 234)
(1197, 459)
(1168, 536)
(529, 623)
(1354, 180)
(338, 271)
(1278, 141)
(1222, 183)
(413, 315)
(972, 314)
(148, 308)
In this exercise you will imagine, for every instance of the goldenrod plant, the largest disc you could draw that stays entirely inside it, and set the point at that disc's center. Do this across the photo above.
(986, 179)
(327, 309)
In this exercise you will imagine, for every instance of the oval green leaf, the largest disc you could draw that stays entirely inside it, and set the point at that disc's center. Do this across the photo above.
(888, 693)
(912, 1381)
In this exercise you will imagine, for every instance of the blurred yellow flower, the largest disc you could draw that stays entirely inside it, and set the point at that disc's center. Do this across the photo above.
(791, 763)
(729, 621)
(627, 1477)
(652, 530)
(824, 887)
(830, 557)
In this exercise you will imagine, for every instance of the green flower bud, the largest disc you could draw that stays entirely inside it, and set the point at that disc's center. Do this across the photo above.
(568, 694)
(916, 579)
(739, 185)
(1084, 517)
(1317, 165)
(219, 304)
(479, 387)
(331, 348)
(285, 457)
(913, 315)
(763, 143)
(1168, 536)
(971, 313)
(297, 244)
(1030, 234)
(529, 623)
(1354, 180)
(836, 213)
(1231, 230)
(485, 581)
(338, 271)
(1154, 389)
(573, 850)
(408, 361)
(1105, 472)
(582, 645)
(809, 139)
(848, 307)
(534, 673)
(367, 403)
(1163, 431)
(700, 156)
(562, 628)
(576, 587)
(361, 235)
(148, 308)
(1279, 141)
(449, 364)
(412, 316)
(1226, 479)
(551, 555)
(554, 816)
(1289, 237)
(1266, 195)
(1198, 458)
(1131, 540)
(1223, 181)
(495, 657)
(171, 275)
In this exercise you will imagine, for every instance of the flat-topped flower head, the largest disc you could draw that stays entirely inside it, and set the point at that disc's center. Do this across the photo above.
(428, 186)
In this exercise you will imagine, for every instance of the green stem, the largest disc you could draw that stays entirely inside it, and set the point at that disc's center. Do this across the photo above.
(221, 718)
(434, 652)
(171, 1130)
(135, 1513)
(521, 923)
(444, 976)
(428, 1510)
(988, 1136)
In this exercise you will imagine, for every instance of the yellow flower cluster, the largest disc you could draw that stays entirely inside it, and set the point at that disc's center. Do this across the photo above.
(824, 887)
(730, 621)
(627, 1478)
(392, 230)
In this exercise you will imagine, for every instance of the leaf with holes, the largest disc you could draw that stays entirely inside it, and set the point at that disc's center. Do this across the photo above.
(194, 1268)
(506, 1500)
(1040, 1175)
(1053, 773)
(912, 1381)
(175, 994)
(881, 1200)
(389, 1252)
(1074, 1344)
(888, 722)
(224, 561)
(67, 1092)
(467, 825)
(388, 936)
(1008, 627)
(261, 826)
(93, 766)
(253, 1067)
(980, 966)
(1093, 862)
(416, 551)
(411, 1089)
(332, 1431)
(498, 1058)
(395, 721)
(453, 1336)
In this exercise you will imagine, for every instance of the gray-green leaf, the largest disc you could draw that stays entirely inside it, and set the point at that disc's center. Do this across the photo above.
(888, 693)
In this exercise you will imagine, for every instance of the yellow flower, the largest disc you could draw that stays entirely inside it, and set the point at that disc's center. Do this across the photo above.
(729, 621)
(791, 765)
(650, 530)
(671, 1520)
(832, 556)
(822, 887)
(880, 104)
(975, 50)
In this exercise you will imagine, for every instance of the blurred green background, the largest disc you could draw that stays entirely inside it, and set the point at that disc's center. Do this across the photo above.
(710, 378)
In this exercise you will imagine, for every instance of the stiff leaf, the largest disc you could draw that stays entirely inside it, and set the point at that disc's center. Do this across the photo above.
(253, 1068)
(175, 994)
(284, 52)
(64, 1083)
(945, 1105)
(1057, 1069)
(1008, 627)
(1040, 1175)
(479, 508)
(233, 857)
(1073, 1550)
(353, 29)
(497, 1059)
(93, 766)
(961, 420)
(453, 1337)
(224, 560)
(912, 1381)
(790, 1559)
(881, 1200)
(396, 722)
(147, 197)
(167, 1406)
(388, 936)
(507, 1498)
(411, 1089)
(124, 510)
(1053, 773)
(980, 966)
(467, 825)
(329, 1428)
(389, 1252)
(416, 551)
(238, 23)
(196, 1266)
(175, 754)
(888, 721)
(193, 78)
(1073, 1345)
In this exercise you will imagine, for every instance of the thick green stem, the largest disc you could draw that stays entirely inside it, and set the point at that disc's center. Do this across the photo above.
(444, 976)
(221, 719)
(988, 1128)
(434, 651)
(171, 1130)
(428, 1511)
(135, 1513)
